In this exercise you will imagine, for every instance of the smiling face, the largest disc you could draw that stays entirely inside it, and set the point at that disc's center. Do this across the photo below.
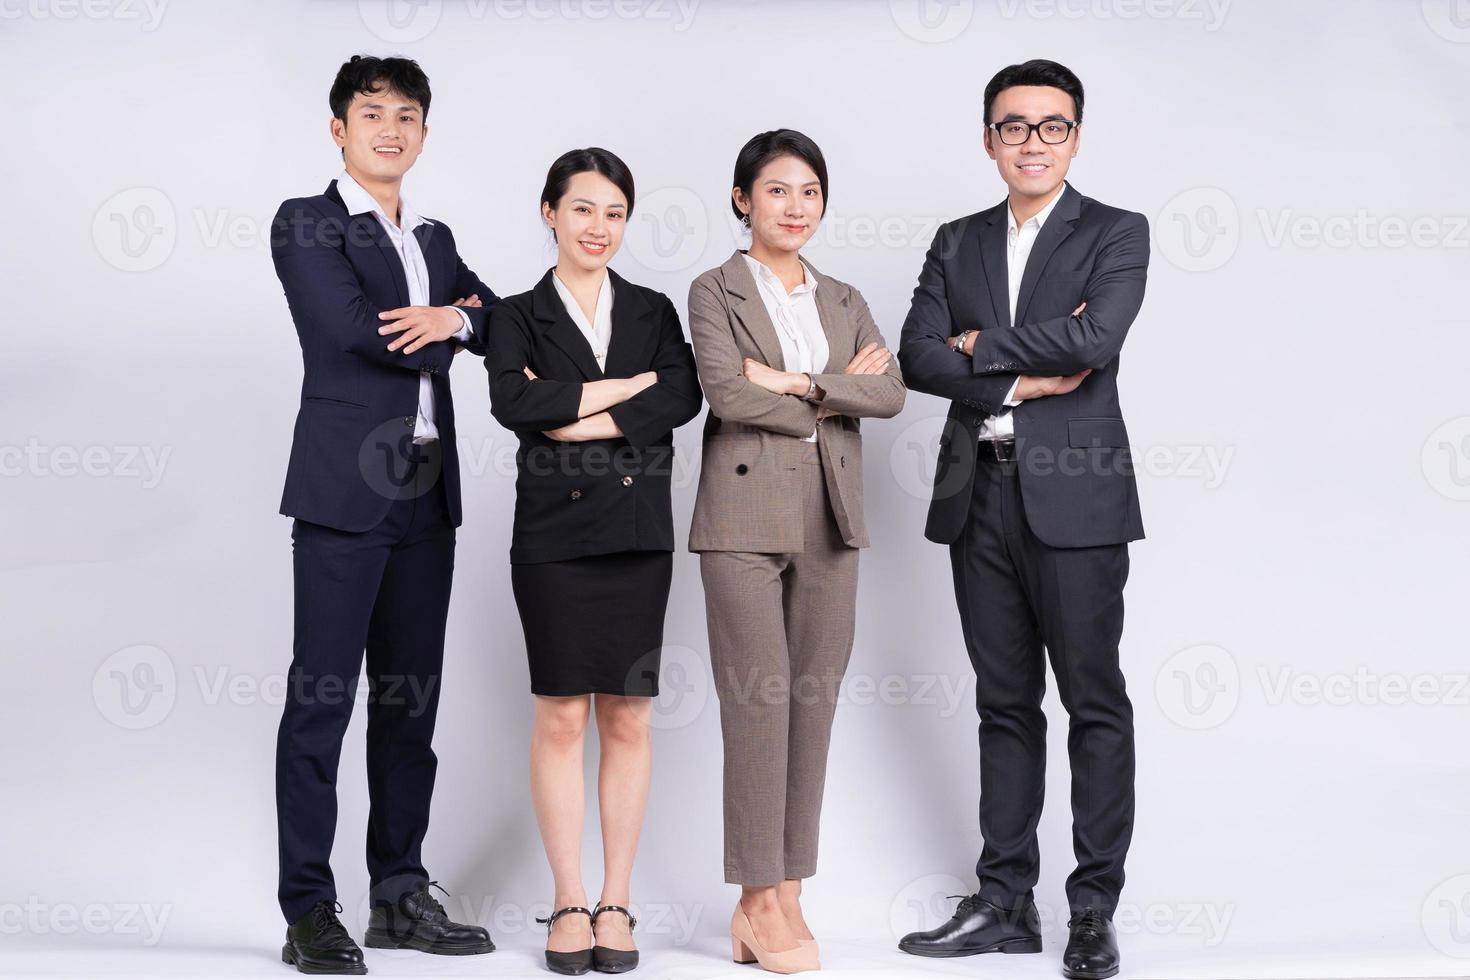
(784, 206)
(382, 135)
(588, 220)
(1033, 169)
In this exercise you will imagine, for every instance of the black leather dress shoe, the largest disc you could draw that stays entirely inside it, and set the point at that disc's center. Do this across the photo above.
(1092, 946)
(605, 959)
(417, 921)
(318, 943)
(977, 926)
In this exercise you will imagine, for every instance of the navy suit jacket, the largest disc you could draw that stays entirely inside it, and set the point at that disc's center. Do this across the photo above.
(359, 400)
(1076, 470)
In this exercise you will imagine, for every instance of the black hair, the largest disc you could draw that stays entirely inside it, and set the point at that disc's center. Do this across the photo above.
(1037, 71)
(367, 74)
(762, 148)
(594, 159)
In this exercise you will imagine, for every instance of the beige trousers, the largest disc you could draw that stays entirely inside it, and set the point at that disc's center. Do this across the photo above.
(780, 634)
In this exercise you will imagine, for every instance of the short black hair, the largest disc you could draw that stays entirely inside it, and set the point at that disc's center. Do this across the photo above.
(1037, 71)
(762, 148)
(367, 74)
(591, 158)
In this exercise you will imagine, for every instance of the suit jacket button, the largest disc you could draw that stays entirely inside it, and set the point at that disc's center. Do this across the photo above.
(627, 481)
(742, 469)
(576, 495)
(844, 460)
(408, 420)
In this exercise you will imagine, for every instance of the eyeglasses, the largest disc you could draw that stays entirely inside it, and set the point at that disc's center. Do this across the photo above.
(1014, 132)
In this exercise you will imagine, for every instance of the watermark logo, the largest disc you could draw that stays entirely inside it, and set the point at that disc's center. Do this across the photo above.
(1446, 916)
(670, 230)
(1198, 687)
(684, 683)
(136, 687)
(1450, 19)
(924, 903)
(135, 230)
(1445, 459)
(400, 21)
(1198, 230)
(932, 21)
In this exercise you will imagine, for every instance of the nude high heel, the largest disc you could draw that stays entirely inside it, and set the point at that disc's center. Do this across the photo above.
(745, 949)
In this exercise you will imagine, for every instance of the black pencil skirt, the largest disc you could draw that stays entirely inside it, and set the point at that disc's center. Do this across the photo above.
(594, 625)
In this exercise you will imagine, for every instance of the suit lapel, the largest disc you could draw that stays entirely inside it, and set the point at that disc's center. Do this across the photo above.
(632, 330)
(1058, 226)
(557, 324)
(836, 323)
(366, 227)
(426, 238)
(992, 232)
(750, 310)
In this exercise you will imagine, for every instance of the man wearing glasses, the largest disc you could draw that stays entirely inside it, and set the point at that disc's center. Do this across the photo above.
(1018, 319)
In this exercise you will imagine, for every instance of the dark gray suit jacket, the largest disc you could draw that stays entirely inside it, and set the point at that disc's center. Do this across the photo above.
(1076, 469)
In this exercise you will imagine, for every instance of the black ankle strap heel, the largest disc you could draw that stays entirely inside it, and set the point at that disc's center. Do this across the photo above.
(578, 961)
(608, 960)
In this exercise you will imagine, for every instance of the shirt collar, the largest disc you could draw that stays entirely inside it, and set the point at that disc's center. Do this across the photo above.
(764, 276)
(359, 201)
(1040, 217)
(603, 310)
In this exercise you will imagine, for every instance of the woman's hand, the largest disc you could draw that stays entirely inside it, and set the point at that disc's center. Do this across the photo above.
(639, 382)
(776, 382)
(872, 359)
(599, 426)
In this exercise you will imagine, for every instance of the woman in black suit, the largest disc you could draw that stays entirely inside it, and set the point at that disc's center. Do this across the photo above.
(593, 373)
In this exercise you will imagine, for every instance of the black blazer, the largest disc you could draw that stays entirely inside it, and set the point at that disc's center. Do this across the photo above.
(1076, 469)
(603, 495)
(359, 400)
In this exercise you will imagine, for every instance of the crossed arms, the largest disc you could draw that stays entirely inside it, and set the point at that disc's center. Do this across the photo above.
(742, 389)
(1045, 355)
(641, 408)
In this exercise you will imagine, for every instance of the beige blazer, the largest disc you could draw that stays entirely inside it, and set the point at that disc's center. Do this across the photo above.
(749, 495)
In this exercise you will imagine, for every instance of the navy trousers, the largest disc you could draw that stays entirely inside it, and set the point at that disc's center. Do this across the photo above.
(384, 591)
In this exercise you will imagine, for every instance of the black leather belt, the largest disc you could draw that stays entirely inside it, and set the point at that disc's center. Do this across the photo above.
(996, 450)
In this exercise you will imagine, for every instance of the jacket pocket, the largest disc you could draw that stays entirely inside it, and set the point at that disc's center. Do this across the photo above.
(1086, 433)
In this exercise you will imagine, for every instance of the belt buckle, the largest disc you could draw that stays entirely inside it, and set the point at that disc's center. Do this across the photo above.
(1001, 450)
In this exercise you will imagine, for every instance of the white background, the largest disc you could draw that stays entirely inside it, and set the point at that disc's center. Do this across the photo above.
(1294, 389)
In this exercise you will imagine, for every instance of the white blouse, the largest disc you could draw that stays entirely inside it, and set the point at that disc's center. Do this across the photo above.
(599, 331)
(798, 325)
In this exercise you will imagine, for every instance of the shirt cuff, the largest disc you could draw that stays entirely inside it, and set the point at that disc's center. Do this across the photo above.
(1011, 395)
(466, 332)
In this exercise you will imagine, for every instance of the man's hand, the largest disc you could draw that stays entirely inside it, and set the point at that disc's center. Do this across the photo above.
(473, 300)
(954, 342)
(1033, 386)
(419, 325)
(872, 359)
(777, 382)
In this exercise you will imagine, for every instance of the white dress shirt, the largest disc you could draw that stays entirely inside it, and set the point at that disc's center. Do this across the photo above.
(1018, 249)
(359, 201)
(599, 331)
(798, 325)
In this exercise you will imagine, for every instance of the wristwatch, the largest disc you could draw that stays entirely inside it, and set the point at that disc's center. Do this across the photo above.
(959, 345)
(811, 389)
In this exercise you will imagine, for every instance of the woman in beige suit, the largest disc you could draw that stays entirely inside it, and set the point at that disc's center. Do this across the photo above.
(790, 360)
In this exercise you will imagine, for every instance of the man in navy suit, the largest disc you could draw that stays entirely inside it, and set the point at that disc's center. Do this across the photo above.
(381, 302)
(1018, 319)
